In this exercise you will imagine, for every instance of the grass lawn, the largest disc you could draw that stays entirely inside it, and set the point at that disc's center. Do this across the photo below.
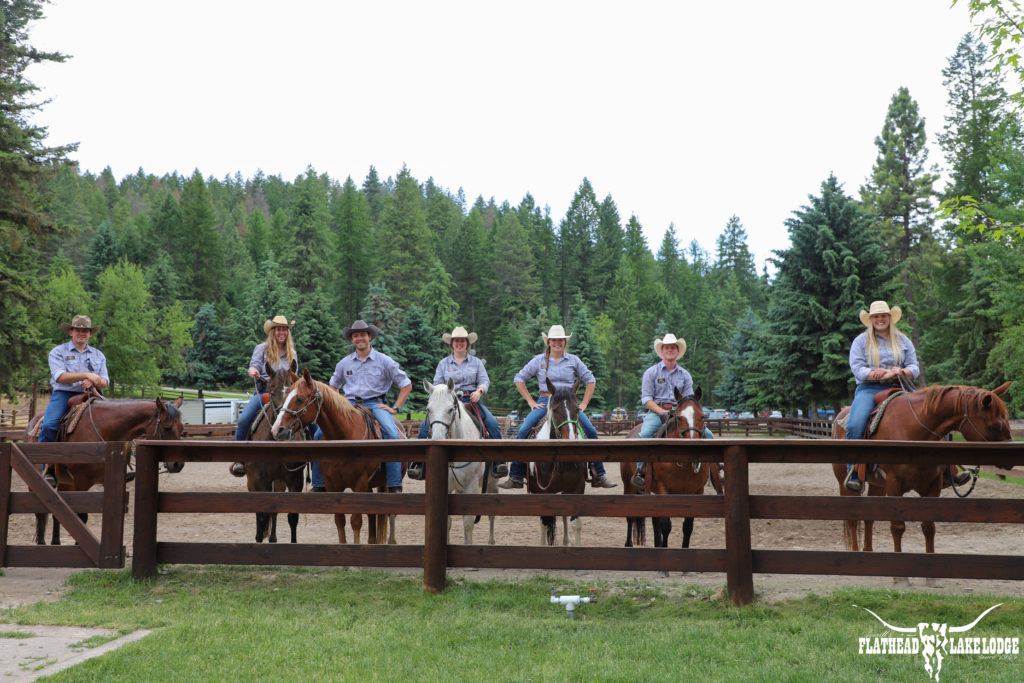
(224, 623)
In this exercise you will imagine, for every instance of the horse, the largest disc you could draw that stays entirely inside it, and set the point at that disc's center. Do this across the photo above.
(311, 401)
(561, 422)
(108, 420)
(448, 418)
(266, 475)
(924, 415)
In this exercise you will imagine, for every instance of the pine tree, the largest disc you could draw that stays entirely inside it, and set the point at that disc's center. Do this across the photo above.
(608, 249)
(305, 254)
(317, 334)
(204, 250)
(419, 344)
(732, 392)
(258, 236)
(162, 280)
(103, 253)
(403, 229)
(352, 225)
(374, 193)
(584, 345)
(378, 309)
(542, 242)
(575, 246)
(513, 282)
(204, 366)
(439, 308)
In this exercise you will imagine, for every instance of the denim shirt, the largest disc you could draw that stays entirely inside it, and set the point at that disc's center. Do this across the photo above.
(66, 358)
(561, 373)
(468, 377)
(859, 356)
(658, 383)
(368, 378)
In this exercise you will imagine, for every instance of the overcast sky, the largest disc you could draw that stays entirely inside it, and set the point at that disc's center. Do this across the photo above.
(684, 112)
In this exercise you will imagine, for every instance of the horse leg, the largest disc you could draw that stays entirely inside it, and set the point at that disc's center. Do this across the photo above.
(391, 529)
(262, 521)
(55, 533)
(898, 527)
(468, 521)
(41, 528)
(293, 524)
(629, 532)
(662, 529)
(339, 521)
(928, 529)
(273, 527)
(547, 530)
(565, 530)
(577, 530)
(687, 531)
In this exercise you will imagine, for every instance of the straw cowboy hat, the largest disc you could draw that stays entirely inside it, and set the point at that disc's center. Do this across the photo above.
(277, 321)
(880, 307)
(556, 332)
(80, 322)
(669, 339)
(459, 333)
(360, 326)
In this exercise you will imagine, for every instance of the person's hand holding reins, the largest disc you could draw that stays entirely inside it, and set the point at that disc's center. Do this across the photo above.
(476, 396)
(254, 373)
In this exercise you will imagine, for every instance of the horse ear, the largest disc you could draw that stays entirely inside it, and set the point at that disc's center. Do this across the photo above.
(268, 368)
(160, 405)
(1001, 389)
(295, 365)
(292, 377)
(551, 387)
(178, 401)
(306, 376)
(698, 394)
(451, 384)
(427, 386)
(678, 394)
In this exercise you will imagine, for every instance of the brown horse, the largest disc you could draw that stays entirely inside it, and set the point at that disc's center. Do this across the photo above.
(310, 401)
(109, 420)
(268, 475)
(664, 478)
(924, 415)
(561, 422)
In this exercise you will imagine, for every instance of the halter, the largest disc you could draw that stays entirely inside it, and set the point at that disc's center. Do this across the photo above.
(448, 425)
(568, 421)
(318, 399)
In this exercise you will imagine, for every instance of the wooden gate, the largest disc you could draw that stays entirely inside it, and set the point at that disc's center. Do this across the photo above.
(106, 552)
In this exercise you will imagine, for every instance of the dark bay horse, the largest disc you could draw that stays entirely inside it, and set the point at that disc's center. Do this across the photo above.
(924, 415)
(311, 401)
(274, 476)
(561, 422)
(109, 420)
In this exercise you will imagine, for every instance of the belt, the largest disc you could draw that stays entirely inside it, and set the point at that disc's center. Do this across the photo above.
(667, 406)
(367, 400)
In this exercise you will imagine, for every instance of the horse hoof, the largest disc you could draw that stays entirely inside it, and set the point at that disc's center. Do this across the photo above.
(129, 477)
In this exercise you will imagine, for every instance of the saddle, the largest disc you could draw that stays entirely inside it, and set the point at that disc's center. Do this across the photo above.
(373, 427)
(882, 401)
(474, 412)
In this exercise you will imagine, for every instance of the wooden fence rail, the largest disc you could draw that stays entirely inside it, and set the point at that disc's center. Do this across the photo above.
(737, 506)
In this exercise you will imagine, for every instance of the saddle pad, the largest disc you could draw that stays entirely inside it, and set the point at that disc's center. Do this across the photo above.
(372, 425)
(71, 420)
(873, 426)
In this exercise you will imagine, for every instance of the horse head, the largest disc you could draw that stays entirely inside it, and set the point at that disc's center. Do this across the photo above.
(564, 412)
(167, 425)
(295, 411)
(281, 381)
(442, 408)
(687, 422)
(988, 409)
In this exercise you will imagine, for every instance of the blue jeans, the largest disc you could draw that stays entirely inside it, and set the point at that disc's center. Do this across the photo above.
(518, 469)
(490, 424)
(249, 412)
(651, 423)
(54, 412)
(860, 410)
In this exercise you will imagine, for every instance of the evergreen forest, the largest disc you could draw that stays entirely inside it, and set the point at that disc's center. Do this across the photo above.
(182, 269)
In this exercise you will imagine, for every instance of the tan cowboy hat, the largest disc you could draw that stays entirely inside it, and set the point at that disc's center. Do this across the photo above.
(360, 326)
(459, 333)
(80, 322)
(879, 308)
(669, 339)
(277, 321)
(556, 332)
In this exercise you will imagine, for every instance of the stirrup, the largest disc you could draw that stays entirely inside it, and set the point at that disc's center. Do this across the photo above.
(638, 481)
(50, 477)
(852, 482)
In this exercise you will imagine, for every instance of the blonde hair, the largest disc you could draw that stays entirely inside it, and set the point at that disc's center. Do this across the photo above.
(894, 346)
(275, 353)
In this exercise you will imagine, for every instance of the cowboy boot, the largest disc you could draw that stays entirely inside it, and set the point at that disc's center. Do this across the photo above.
(237, 469)
(50, 476)
(415, 471)
(499, 470)
(852, 481)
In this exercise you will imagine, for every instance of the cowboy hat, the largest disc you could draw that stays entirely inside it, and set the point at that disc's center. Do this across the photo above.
(277, 321)
(881, 308)
(669, 339)
(80, 322)
(360, 326)
(459, 333)
(556, 332)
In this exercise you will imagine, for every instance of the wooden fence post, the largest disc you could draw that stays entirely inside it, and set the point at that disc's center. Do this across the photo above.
(435, 521)
(5, 494)
(112, 549)
(739, 570)
(146, 495)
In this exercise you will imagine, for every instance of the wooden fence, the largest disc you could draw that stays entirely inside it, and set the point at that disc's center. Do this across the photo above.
(737, 507)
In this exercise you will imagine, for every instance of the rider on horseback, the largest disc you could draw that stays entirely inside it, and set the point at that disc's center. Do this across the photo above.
(658, 395)
(367, 375)
(470, 377)
(561, 368)
(876, 365)
(74, 368)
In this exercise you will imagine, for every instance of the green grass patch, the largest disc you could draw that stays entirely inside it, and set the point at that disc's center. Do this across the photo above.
(226, 623)
(17, 635)
(1006, 478)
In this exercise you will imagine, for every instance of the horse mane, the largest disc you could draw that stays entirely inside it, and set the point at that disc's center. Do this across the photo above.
(935, 394)
(563, 394)
(332, 398)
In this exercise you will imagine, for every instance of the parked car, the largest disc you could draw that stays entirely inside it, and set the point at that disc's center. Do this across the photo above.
(513, 416)
(620, 414)
(775, 413)
(596, 415)
(716, 414)
(746, 415)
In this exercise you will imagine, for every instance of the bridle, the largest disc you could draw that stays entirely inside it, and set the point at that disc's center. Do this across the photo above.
(455, 414)
(569, 420)
(318, 399)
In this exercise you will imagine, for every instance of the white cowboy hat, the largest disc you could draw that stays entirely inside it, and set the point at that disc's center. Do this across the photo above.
(357, 326)
(277, 321)
(556, 332)
(881, 308)
(80, 322)
(669, 339)
(459, 333)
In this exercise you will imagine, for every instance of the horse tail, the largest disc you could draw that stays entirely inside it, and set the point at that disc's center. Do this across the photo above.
(851, 533)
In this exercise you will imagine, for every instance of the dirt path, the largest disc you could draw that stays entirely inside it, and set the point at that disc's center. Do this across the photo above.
(26, 585)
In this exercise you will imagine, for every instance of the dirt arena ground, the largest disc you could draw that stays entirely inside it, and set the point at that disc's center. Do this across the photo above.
(19, 586)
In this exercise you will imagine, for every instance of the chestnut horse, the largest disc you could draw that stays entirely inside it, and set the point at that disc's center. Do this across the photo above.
(266, 475)
(311, 401)
(109, 420)
(924, 415)
(561, 422)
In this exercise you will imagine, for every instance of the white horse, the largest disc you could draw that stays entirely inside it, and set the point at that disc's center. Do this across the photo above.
(448, 418)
